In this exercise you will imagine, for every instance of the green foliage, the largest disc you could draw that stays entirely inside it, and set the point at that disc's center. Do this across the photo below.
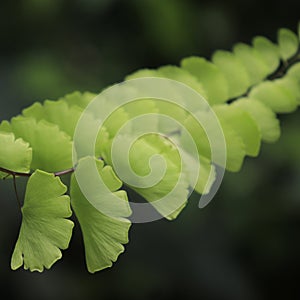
(16, 155)
(45, 229)
(246, 89)
(103, 235)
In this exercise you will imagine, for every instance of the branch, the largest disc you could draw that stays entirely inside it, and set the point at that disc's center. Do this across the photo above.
(14, 174)
(20, 174)
(285, 65)
(280, 72)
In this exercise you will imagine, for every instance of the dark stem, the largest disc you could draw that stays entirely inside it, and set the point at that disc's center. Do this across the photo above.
(13, 173)
(64, 172)
(285, 65)
(16, 191)
(20, 174)
(280, 72)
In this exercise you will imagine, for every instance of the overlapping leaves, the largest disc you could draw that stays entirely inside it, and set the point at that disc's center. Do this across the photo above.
(246, 96)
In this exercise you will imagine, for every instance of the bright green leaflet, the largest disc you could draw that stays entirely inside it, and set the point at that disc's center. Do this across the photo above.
(264, 117)
(253, 62)
(140, 153)
(235, 146)
(294, 72)
(275, 96)
(103, 235)
(56, 112)
(52, 148)
(45, 229)
(268, 51)
(234, 72)
(291, 87)
(210, 76)
(288, 43)
(206, 172)
(78, 99)
(243, 124)
(15, 155)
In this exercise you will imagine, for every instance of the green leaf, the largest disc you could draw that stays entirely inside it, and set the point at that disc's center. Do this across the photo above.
(274, 96)
(159, 185)
(288, 43)
(140, 154)
(45, 229)
(198, 134)
(243, 124)
(291, 86)
(5, 126)
(268, 51)
(206, 177)
(235, 147)
(56, 112)
(173, 111)
(103, 235)
(234, 144)
(294, 72)
(173, 73)
(142, 73)
(52, 148)
(211, 78)
(206, 172)
(264, 117)
(252, 61)
(234, 72)
(79, 99)
(15, 155)
(181, 75)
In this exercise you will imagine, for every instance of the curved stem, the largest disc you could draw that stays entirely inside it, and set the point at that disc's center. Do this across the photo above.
(13, 173)
(285, 65)
(20, 174)
(280, 72)
(16, 191)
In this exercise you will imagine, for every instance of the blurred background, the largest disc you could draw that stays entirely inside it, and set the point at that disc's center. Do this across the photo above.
(245, 244)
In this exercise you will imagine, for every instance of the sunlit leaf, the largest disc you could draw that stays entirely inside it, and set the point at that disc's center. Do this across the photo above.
(78, 99)
(103, 235)
(235, 147)
(274, 96)
(183, 76)
(45, 229)
(234, 72)
(52, 148)
(56, 112)
(288, 43)
(243, 124)
(264, 117)
(141, 151)
(210, 76)
(15, 155)
(252, 61)
(268, 51)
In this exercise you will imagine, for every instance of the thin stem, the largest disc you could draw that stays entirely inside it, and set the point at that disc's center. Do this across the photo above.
(64, 172)
(285, 65)
(20, 174)
(16, 191)
(13, 173)
(280, 72)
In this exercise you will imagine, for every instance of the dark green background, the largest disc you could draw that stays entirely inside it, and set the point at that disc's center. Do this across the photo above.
(245, 243)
